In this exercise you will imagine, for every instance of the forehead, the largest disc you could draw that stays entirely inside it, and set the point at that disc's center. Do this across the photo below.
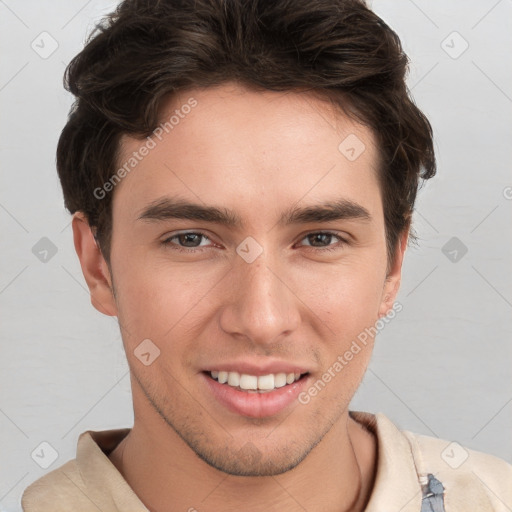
(232, 144)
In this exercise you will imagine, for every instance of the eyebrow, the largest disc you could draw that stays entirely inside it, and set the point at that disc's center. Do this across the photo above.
(167, 208)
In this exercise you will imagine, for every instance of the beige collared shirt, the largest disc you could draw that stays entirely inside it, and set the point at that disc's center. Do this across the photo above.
(471, 481)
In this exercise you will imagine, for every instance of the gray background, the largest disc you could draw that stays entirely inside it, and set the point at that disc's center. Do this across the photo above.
(442, 367)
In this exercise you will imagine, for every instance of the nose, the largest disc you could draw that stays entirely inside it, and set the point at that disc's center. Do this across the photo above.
(261, 307)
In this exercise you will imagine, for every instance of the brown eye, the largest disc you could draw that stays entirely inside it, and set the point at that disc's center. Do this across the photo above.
(187, 242)
(321, 240)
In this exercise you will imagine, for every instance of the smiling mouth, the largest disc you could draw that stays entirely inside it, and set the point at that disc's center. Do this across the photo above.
(254, 383)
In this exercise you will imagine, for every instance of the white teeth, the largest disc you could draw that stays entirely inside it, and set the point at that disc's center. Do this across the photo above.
(234, 379)
(253, 382)
(280, 380)
(248, 381)
(266, 382)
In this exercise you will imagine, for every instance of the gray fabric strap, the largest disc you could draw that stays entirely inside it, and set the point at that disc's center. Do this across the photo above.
(433, 495)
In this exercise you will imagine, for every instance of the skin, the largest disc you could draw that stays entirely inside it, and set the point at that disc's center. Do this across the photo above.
(257, 154)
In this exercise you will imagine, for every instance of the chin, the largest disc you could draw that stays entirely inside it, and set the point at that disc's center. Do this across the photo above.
(249, 461)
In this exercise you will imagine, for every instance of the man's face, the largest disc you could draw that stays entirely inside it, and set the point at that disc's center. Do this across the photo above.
(263, 297)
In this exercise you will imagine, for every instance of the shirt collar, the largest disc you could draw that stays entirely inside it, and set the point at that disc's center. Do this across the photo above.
(396, 485)
(104, 482)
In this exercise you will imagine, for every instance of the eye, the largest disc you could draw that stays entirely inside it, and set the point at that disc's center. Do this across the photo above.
(189, 238)
(324, 236)
(190, 241)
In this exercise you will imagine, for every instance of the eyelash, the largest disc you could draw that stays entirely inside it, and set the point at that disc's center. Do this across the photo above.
(167, 242)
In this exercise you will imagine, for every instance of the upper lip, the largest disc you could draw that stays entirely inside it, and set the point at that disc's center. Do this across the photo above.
(258, 369)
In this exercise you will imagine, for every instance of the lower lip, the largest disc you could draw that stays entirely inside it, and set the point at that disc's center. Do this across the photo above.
(255, 405)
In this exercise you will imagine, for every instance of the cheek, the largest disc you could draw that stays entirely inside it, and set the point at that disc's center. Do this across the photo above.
(346, 297)
(347, 305)
(163, 301)
(157, 299)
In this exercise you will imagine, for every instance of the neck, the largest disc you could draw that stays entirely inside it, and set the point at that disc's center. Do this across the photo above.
(166, 474)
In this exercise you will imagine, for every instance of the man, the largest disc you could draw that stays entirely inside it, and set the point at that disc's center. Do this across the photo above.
(242, 176)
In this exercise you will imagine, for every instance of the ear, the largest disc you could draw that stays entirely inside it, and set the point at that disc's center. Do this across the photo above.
(94, 266)
(392, 283)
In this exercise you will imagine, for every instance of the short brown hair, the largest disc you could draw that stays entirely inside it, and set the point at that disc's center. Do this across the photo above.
(146, 50)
